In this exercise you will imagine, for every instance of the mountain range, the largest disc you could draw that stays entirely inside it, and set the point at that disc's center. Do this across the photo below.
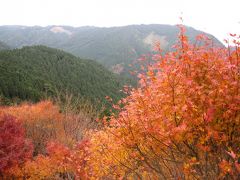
(38, 62)
(114, 47)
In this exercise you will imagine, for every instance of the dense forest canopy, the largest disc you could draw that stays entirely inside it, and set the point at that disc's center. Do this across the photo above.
(32, 73)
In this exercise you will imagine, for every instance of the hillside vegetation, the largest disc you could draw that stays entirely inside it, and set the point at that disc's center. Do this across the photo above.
(32, 73)
(181, 122)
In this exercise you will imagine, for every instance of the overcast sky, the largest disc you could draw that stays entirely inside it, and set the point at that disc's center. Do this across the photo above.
(218, 17)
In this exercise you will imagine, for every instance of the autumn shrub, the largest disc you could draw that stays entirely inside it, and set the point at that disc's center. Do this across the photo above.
(41, 122)
(15, 149)
(182, 122)
(45, 122)
(60, 162)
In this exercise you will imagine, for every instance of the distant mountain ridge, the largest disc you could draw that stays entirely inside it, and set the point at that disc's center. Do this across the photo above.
(114, 47)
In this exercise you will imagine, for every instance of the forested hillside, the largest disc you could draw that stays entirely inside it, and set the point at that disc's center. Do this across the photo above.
(32, 73)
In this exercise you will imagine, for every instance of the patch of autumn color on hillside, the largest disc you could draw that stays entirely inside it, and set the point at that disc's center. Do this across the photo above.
(42, 122)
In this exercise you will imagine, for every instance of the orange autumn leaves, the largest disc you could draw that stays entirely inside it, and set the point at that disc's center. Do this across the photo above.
(182, 122)
(42, 122)
(55, 146)
(60, 162)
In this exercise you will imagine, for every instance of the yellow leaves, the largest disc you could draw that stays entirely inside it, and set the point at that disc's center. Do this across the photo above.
(41, 168)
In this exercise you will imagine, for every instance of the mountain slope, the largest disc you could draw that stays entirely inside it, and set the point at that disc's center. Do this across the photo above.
(114, 47)
(3, 46)
(33, 72)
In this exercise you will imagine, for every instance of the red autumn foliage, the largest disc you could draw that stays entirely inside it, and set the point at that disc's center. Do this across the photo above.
(44, 122)
(59, 162)
(14, 148)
